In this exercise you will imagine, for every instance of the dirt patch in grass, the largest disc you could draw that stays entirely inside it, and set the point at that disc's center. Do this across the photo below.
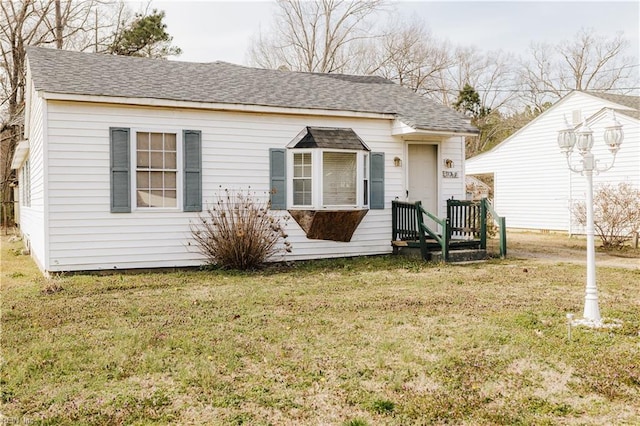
(558, 247)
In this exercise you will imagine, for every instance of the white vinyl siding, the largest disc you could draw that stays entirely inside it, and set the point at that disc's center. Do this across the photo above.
(32, 216)
(84, 235)
(534, 189)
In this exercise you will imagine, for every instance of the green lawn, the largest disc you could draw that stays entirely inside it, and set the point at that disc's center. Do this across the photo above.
(347, 342)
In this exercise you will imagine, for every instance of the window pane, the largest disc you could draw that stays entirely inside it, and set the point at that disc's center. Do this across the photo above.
(156, 142)
(142, 180)
(156, 160)
(339, 179)
(170, 199)
(142, 198)
(170, 160)
(142, 141)
(156, 180)
(169, 141)
(156, 199)
(143, 159)
(302, 165)
(302, 192)
(170, 180)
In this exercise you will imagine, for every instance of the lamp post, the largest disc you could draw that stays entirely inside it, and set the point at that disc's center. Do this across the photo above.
(568, 138)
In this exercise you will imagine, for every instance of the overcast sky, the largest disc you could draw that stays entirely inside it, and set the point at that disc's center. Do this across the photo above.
(221, 30)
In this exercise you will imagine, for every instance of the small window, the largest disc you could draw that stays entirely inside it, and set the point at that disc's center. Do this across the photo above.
(156, 170)
(26, 184)
(302, 170)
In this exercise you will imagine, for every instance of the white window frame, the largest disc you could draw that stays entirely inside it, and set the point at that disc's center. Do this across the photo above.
(317, 174)
(26, 184)
(179, 168)
(293, 177)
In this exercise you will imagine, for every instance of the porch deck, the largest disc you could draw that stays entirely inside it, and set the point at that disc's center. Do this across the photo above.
(462, 235)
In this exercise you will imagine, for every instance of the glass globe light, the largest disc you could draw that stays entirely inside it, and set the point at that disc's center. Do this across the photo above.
(566, 138)
(584, 138)
(613, 135)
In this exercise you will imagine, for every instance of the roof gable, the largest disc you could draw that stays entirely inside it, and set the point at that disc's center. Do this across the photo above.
(75, 73)
(328, 137)
(623, 100)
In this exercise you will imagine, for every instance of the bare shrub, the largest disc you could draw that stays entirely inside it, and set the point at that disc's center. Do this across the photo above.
(238, 231)
(616, 213)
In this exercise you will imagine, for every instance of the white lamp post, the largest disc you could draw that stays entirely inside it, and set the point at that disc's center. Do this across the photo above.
(583, 140)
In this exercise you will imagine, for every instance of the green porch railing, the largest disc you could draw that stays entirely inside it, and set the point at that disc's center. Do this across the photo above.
(469, 220)
(442, 239)
(464, 227)
(500, 222)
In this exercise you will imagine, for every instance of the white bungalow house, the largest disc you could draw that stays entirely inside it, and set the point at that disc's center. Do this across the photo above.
(533, 186)
(121, 154)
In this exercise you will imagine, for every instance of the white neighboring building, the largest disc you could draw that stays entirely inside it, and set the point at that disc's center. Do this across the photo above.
(533, 187)
(121, 154)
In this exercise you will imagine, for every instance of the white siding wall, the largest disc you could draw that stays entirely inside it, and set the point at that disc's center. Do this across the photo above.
(532, 181)
(625, 169)
(32, 219)
(452, 149)
(84, 235)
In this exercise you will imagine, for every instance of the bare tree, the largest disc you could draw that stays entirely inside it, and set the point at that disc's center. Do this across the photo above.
(587, 62)
(410, 55)
(21, 24)
(491, 74)
(61, 24)
(314, 36)
(616, 213)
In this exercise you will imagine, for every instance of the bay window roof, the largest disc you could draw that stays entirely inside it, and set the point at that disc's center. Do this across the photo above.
(328, 138)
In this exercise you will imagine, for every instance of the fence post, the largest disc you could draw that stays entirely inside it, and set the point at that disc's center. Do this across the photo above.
(394, 221)
(446, 236)
(483, 224)
(503, 237)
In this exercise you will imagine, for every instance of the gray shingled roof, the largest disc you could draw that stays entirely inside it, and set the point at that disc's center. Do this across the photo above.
(75, 73)
(328, 137)
(629, 113)
(626, 100)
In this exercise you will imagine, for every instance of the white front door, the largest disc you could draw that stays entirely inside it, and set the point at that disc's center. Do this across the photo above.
(423, 176)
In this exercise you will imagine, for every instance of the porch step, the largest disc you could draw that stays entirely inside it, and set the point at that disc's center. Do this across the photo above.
(432, 245)
(459, 251)
(460, 255)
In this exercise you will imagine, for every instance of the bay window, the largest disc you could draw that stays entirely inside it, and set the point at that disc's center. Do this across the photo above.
(326, 168)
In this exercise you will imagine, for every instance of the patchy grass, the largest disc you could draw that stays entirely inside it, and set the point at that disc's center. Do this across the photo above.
(347, 342)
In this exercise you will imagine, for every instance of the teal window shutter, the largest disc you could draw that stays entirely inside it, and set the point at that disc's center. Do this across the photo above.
(120, 170)
(278, 178)
(192, 153)
(376, 176)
